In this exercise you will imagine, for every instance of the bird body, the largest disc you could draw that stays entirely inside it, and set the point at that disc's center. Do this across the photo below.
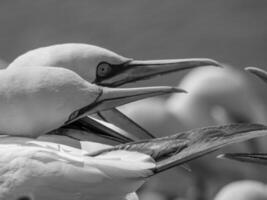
(34, 169)
(46, 173)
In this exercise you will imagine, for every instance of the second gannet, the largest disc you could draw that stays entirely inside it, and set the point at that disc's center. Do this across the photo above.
(35, 170)
(36, 100)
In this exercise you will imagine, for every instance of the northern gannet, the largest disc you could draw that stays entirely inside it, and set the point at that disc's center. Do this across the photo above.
(31, 169)
(104, 67)
(36, 100)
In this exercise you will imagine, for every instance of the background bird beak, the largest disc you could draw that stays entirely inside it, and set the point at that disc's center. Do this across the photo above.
(113, 97)
(258, 72)
(246, 157)
(139, 70)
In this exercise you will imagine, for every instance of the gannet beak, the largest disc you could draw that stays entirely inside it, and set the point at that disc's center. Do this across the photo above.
(135, 70)
(116, 117)
(112, 97)
(258, 72)
(86, 128)
(259, 158)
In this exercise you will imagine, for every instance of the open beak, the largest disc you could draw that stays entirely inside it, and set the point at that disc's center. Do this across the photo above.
(259, 158)
(135, 70)
(92, 129)
(119, 119)
(112, 97)
(258, 72)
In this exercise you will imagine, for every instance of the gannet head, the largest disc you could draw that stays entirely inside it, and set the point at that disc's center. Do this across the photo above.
(102, 66)
(39, 99)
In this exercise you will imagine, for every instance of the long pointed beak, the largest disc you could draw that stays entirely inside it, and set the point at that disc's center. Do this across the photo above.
(119, 119)
(135, 70)
(88, 126)
(113, 97)
(259, 158)
(258, 72)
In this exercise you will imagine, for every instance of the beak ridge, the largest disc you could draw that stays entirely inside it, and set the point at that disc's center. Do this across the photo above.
(135, 70)
(258, 72)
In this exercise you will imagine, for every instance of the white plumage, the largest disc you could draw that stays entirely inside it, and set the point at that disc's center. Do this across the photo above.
(43, 170)
(49, 171)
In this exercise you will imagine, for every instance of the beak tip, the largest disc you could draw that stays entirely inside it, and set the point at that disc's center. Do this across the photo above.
(217, 64)
(251, 69)
(220, 65)
(257, 72)
(222, 156)
(179, 90)
(211, 62)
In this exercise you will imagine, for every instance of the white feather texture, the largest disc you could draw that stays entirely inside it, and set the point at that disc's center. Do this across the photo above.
(47, 171)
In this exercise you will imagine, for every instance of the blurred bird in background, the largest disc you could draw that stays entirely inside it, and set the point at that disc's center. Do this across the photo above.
(260, 158)
(243, 190)
(216, 97)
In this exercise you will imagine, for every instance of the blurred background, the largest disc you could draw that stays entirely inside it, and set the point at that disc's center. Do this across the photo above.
(233, 32)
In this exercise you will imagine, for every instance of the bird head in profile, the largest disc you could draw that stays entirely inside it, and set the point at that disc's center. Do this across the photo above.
(104, 67)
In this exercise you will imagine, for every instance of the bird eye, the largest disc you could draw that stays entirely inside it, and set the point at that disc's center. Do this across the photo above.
(103, 69)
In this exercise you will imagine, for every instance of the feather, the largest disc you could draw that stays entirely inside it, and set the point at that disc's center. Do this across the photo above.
(182, 147)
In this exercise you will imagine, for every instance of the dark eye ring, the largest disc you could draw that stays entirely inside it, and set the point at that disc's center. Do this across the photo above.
(103, 69)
